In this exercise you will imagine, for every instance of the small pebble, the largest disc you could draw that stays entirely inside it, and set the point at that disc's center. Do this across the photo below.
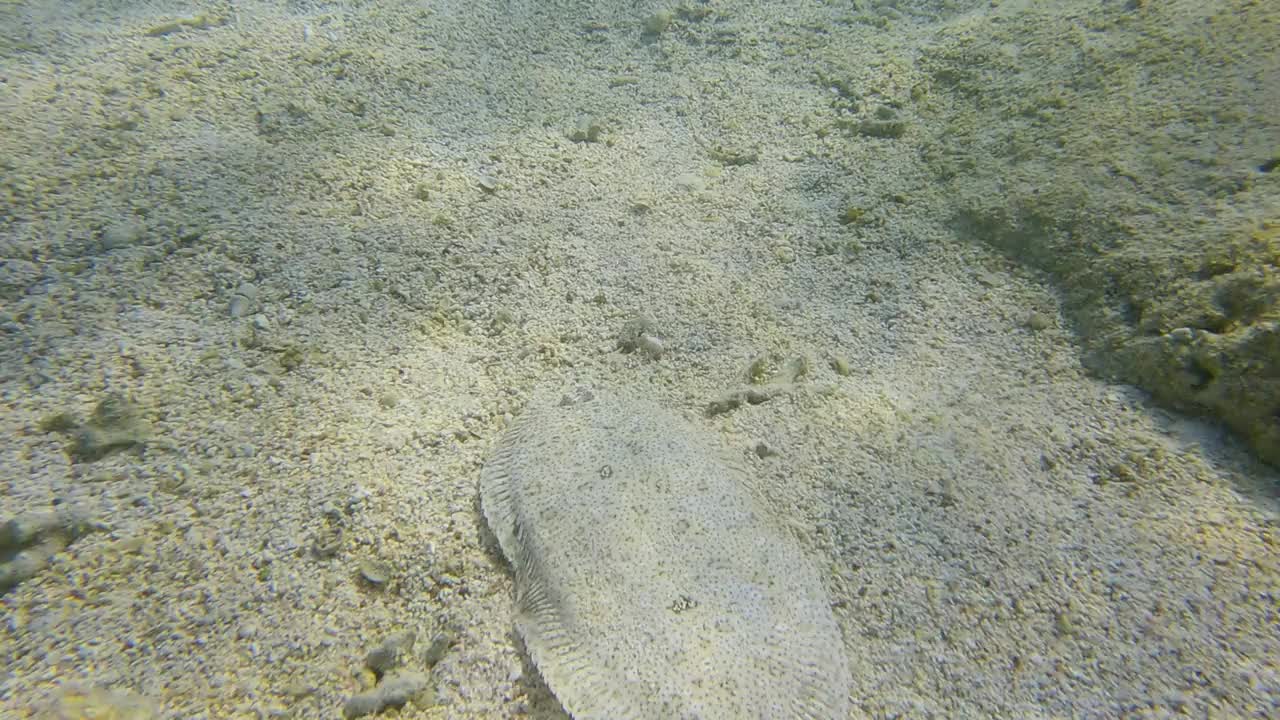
(658, 22)
(374, 572)
(651, 346)
(690, 183)
(243, 300)
(1037, 321)
(390, 654)
(840, 365)
(363, 704)
(393, 692)
(639, 333)
(438, 648)
(122, 234)
(587, 130)
(239, 306)
(398, 690)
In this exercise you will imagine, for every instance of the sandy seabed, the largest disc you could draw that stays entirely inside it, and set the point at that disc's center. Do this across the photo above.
(274, 277)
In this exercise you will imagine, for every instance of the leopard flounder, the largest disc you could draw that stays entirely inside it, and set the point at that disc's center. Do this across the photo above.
(649, 582)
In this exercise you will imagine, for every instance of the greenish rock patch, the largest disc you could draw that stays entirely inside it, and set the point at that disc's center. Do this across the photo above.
(116, 424)
(1136, 176)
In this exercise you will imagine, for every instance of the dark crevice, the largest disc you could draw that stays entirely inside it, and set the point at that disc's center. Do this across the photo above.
(1201, 376)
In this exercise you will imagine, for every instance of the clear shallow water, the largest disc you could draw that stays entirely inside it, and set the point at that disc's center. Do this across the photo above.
(274, 278)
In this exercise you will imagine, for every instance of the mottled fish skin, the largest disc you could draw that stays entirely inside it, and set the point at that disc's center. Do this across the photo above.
(649, 582)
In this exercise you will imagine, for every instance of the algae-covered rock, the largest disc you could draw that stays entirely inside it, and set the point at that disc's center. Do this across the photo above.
(125, 233)
(30, 540)
(639, 334)
(116, 424)
(587, 130)
(1136, 176)
(885, 122)
(391, 652)
(392, 692)
(727, 155)
(657, 23)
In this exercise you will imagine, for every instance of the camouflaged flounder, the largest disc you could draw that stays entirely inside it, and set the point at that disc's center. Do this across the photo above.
(649, 582)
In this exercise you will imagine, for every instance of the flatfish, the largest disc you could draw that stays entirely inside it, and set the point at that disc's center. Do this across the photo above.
(649, 582)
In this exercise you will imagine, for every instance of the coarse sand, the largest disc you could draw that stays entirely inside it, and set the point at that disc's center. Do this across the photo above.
(274, 277)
